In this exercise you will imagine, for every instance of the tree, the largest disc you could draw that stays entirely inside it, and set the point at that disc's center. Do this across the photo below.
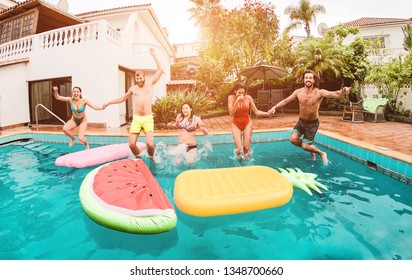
(319, 55)
(202, 11)
(234, 39)
(303, 15)
(390, 77)
(407, 40)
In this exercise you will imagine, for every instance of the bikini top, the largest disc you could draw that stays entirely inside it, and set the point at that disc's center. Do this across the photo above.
(78, 111)
(190, 127)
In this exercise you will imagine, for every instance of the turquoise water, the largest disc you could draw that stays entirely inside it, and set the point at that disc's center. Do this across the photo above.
(364, 215)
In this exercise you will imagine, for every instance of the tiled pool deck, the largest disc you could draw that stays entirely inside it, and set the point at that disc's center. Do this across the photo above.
(382, 146)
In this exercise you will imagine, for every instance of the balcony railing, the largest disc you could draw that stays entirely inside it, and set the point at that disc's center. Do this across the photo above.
(72, 35)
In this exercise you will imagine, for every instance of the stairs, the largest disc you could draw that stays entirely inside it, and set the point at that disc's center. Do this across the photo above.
(39, 147)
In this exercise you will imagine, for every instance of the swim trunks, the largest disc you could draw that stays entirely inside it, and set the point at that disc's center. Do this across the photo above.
(308, 129)
(139, 122)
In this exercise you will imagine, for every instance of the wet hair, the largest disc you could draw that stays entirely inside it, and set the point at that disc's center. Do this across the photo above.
(78, 89)
(238, 86)
(191, 113)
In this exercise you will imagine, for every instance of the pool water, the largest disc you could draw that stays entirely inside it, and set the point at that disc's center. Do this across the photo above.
(363, 215)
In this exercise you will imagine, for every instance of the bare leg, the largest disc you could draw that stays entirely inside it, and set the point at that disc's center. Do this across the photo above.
(312, 149)
(150, 144)
(295, 140)
(237, 138)
(247, 139)
(67, 129)
(82, 131)
(132, 144)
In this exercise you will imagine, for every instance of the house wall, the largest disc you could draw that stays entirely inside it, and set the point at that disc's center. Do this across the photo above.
(92, 61)
(14, 103)
(404, 100)
(393, 47)
(393, 35)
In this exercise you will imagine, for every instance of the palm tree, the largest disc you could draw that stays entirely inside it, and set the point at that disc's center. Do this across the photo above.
(202, 10)
(407, 40)
(303, 15)
(319, 55)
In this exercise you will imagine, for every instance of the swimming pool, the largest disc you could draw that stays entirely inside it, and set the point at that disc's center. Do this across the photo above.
(364, 215)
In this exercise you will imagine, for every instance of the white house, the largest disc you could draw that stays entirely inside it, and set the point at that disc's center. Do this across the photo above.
(42, 45)
(389, 32)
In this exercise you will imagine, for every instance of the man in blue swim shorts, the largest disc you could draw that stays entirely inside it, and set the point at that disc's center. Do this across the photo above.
(142, 96)
(309, 97)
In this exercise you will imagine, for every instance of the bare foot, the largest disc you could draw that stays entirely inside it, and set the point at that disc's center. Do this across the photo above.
(72, 143)
(87, 146)
(324, 157)
(313, 156)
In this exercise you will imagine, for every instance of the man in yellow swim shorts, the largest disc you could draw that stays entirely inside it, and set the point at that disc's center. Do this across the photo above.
(142, 122)
(142, 96)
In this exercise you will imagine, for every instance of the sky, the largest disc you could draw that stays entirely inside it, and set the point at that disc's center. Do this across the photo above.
(173, 14)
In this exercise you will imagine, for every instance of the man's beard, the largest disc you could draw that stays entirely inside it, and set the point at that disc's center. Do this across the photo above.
(308, 84)
(141, 84)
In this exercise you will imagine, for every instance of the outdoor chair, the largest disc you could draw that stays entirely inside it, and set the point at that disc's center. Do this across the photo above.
(263, 100)
(276, 95)
(354, 111)
(374, 109)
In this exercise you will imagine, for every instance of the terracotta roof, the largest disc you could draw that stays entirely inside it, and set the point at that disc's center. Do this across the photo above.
(113, 9)
(367, 21)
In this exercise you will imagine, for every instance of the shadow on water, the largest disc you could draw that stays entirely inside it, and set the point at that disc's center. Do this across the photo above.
(140, 245)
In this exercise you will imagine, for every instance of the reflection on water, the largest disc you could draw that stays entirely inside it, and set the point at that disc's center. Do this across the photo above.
(363, 215)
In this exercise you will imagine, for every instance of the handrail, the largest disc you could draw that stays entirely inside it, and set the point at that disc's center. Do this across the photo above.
(41, 105)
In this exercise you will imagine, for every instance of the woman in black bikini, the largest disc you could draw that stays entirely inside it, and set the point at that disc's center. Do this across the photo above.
(187, 123)
(78, 119)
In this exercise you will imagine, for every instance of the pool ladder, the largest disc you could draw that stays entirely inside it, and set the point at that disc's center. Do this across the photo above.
(44, 107)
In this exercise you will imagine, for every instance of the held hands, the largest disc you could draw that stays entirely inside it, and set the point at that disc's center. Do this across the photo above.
(345, 90)
(105, 105)
(272, 111)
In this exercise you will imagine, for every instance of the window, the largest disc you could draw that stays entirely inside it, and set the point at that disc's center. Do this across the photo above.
(17, 28)
(376, 42)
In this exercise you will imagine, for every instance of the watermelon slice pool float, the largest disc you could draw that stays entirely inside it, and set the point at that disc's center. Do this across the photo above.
(123, 195)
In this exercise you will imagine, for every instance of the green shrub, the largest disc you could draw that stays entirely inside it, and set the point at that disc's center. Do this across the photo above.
(165, 109)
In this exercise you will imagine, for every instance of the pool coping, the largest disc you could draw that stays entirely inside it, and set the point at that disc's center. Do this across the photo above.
(383, 159)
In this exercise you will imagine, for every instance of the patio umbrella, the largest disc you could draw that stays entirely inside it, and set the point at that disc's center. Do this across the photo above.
(264, 72)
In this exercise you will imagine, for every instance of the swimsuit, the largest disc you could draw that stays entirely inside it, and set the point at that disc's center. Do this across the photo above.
(241, 117)
(78, 111)
(139, 122)
(190, 147)
(81, 109)
(190, 127)
(78, 121)
(308, 129)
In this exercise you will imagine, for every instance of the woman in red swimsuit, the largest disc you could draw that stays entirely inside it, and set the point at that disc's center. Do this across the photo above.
(239, 104)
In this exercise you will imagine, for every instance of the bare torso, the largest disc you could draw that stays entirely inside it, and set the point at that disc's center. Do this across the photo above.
(142, 99)
(309, 103)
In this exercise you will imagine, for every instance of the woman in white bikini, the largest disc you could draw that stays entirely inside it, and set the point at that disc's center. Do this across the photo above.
(187, 123)
(78, 119)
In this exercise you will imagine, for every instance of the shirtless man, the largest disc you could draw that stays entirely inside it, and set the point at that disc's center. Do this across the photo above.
(142, 96)
(309, 98)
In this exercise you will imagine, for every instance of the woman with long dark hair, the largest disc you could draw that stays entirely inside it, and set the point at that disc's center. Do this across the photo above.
(240, 104)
